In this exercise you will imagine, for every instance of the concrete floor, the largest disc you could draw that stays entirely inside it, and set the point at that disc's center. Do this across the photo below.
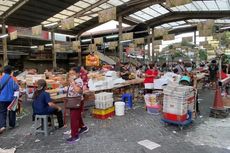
(121, 134)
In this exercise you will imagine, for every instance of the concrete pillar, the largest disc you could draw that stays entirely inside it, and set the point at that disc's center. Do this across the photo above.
(153, 45)
(148, 43)
(53, 51)
(79, 54)
(4, 45)
(120, 38)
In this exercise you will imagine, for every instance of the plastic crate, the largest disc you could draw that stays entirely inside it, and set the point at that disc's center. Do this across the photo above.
(103, 111)
(173, 117)
(104, 104)
(103, 117)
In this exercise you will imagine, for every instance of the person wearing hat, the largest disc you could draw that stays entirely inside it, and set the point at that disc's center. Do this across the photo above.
(213, 69)
(186, 81)
(7, 88)
(75, 89)
(43, 105)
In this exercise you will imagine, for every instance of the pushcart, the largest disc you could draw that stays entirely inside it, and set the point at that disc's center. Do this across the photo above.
(181, 124)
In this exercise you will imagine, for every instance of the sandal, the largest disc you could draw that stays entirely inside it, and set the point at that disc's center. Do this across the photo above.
(2, 130)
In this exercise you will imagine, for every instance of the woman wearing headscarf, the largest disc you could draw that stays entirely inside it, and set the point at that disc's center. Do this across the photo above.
(43, 105)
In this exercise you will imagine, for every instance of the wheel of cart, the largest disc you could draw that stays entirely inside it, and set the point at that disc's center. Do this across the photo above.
(181, 125)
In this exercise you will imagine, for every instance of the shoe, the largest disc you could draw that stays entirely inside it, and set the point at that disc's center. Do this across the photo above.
(73, 139)
(67, 132)
(2, 130)
(83, 130)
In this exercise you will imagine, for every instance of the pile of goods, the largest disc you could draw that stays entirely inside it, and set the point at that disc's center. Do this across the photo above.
(103, 105)
(153, 103)
(178, 101)
(99, 81)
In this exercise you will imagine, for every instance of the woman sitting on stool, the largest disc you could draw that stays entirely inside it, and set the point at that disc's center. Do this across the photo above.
(42, 104)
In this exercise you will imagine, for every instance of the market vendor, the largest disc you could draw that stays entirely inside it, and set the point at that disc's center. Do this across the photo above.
(213, 69)
(84, 77)
(43, 105)
(150, 74)
(124, 72)
(223, 72)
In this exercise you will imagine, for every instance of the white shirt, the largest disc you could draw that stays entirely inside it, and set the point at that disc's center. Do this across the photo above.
(71, 91)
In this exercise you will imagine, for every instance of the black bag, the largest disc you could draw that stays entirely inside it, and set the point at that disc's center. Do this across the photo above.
(73, 102)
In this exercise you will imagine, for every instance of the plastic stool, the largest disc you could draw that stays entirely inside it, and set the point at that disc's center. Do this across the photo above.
(44, 124)
(129, 99)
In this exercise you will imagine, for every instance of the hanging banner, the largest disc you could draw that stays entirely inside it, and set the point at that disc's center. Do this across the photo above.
(41, 48)
(139, 41)
(176, 45)
(37, 30)
(27, 32)
(174, 3)
(113, 45)
(157, 42)
(131, 45)
(67, 24)
(169, 37)
(156, 47)
(107, 15)
(98, 41)
(77, 46)
(205, 33)
(202, 43)
(218, 36)
(187, 39)
(127, 36)
(14, 35)
(57, 47)
(159, 32)
(92, 60)
(92, 47)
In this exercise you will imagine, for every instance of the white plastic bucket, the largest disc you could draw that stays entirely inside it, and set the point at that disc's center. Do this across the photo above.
(120, 108)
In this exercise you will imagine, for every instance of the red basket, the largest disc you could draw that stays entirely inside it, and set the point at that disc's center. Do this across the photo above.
(104, 117)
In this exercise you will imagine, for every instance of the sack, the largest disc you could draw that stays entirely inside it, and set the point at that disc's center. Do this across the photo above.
(73, 102)
(13, 105)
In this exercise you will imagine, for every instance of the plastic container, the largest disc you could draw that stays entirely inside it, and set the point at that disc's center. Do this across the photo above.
(101, 104)
(120, 108)
(153, 110)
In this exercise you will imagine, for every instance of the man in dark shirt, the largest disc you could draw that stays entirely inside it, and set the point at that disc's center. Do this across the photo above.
(213, 68)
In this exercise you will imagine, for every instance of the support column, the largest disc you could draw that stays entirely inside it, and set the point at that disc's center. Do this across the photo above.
(120, 38)
(4, 45)
(195, 37)
(148, 42)
(79, 54)
(153, 45)
(53, 51)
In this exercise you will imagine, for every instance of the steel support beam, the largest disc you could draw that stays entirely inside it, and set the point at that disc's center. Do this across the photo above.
(14, 8)
(120, 38)
(178, 16)
(78, 14)
(148, 43)
(4, 45)
(53, 50)
(153, 52)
